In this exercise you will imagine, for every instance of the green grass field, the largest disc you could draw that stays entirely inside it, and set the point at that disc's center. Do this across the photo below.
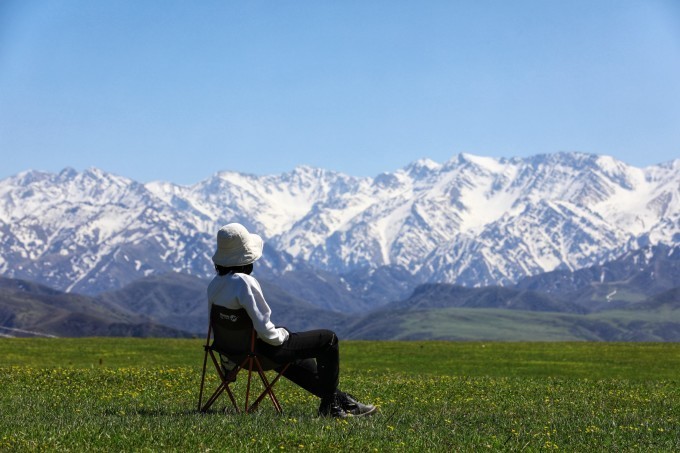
(133, 394)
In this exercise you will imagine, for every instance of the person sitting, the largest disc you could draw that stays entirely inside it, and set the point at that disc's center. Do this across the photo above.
(314, 354)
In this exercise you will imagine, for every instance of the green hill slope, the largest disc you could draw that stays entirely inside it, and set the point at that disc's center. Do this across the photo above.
(28, 309)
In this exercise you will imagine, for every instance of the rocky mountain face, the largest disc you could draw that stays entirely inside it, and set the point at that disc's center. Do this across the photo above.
(472, 221)
(629, 279)
(632, 298)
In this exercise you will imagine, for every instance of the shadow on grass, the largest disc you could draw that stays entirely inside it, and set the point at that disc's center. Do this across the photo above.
(161, 412)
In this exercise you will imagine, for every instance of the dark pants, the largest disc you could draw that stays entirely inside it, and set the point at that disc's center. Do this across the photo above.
(314, 357)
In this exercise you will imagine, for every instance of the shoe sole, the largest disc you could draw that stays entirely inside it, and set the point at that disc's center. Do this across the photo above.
(364, 414)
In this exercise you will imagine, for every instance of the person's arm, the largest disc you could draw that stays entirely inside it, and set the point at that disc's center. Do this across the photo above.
(252, 300)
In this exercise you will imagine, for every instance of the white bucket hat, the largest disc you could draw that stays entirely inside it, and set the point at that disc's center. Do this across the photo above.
(237, 247)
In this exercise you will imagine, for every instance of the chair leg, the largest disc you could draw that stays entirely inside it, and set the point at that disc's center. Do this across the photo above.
(268, 388)
(250, 374)
(271, 387)
(267, 391)
(226, 382)
(200, 394)
(213, 397)
(252, 362)
(224, 385)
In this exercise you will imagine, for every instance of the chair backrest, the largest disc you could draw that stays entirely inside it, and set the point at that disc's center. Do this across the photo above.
(232, 331)
(233, 335)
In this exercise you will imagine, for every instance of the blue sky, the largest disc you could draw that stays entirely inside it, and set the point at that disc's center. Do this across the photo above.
(177, 90)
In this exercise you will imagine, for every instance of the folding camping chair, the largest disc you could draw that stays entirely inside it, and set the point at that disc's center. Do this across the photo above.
(234, 343)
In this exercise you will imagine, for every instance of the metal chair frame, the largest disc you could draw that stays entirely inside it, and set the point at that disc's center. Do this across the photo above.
(250, 363)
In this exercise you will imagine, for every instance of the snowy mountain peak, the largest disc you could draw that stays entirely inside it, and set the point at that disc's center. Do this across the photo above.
(68, 173)
(489, 164)
(472, 220)
(422, 168)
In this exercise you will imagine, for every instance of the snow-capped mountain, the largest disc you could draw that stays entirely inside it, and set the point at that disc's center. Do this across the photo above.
(473, 220)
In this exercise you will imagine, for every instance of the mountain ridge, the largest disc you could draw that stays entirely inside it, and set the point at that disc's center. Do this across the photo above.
(555, 306)
(471, 221)
(31, 309)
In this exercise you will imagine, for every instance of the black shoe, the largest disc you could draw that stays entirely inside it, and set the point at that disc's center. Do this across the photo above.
(353, 407)
(330, 407)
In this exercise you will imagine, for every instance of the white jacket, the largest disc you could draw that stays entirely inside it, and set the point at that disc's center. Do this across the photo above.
(235, 291)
